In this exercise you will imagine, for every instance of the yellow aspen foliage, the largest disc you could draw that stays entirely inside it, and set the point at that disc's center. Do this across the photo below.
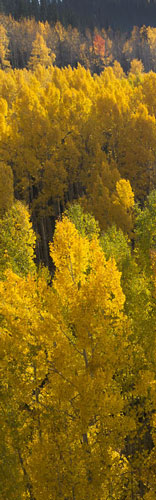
(148, 92)
(136, 150)
(62, 345)
(80, 387)
(40, 54)
(3, 118)
(4, 51)
(100, 182)
(78, 396)
(136, 67)
(109, 198)
(3, 107)
(59, 126)
(151, 37)
(8, 88)
(82, 277)
(125, 193)
(117, 69)
(69, 252)
(123, 203)
(19, 320)
(55, 134)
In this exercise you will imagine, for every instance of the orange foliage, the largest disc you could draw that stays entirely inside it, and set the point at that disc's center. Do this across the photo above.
(99, 45)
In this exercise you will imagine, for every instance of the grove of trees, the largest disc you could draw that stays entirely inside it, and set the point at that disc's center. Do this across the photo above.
(77, 262)
(94, 48)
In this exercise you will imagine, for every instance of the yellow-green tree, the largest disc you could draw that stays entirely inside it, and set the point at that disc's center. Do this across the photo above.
(62, 346)
(17, 240)
(78, 413)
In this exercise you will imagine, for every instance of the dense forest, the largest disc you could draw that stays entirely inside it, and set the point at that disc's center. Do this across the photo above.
(77, 252)
(117, 14)
(94, 49)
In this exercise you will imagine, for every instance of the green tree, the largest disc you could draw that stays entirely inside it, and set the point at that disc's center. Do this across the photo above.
(85, 223)
(145, 231)
(116, 244)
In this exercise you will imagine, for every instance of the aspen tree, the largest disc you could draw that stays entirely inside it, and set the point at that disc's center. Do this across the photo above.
(40, 54)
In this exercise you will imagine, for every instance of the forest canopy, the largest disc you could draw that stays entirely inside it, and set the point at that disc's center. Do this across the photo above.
(117, 14)
(77, 253)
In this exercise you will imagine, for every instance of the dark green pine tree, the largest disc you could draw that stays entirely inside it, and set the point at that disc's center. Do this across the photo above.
(19, 8)
(118, 14)
(43, 10)
(1, 6)
(35, 9)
